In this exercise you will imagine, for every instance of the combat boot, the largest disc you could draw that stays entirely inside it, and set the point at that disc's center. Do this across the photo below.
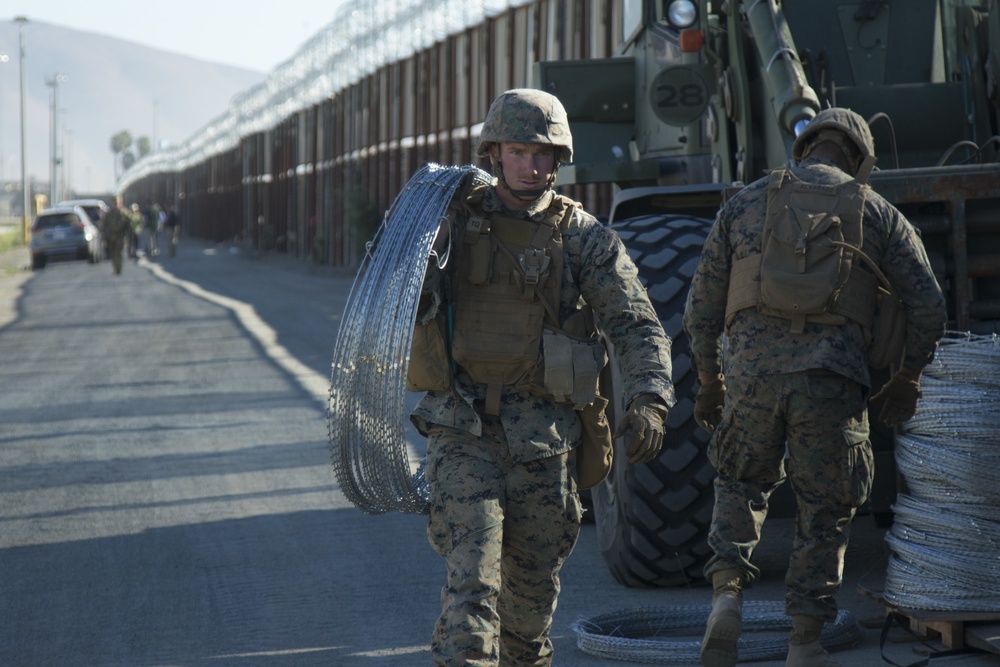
(725, 622)
(804, 649)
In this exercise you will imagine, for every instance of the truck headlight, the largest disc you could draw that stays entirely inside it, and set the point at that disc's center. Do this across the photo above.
(682, 13)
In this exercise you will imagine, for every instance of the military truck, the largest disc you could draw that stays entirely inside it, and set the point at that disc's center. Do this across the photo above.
(704, 96)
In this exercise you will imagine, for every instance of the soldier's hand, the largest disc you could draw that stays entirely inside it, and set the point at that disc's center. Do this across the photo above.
(644, 423)
(709, 401)
(901, 394)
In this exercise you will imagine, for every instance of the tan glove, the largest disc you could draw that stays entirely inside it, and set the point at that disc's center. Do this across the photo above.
(645, 419)
(901, 394)
(708, 403)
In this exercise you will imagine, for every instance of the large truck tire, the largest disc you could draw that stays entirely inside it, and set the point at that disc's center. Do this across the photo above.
(652, 520)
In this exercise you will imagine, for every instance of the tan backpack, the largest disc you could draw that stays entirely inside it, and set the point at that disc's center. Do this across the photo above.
(812, 236)
(804, 264)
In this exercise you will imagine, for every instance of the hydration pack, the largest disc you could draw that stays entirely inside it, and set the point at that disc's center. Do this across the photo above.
(807, 270)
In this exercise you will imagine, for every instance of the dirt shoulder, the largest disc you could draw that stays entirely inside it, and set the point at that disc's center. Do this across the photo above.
(16, 260)
(14, 272)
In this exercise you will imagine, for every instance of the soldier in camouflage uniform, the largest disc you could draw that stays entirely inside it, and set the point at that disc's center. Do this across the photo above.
(807, 390)
(117, 226)
(505, 510)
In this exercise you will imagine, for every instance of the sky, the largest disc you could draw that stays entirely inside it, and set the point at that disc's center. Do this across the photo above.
(253, 34)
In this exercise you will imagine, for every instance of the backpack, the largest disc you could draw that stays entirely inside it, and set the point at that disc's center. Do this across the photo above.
(806, 270)
(805, 262)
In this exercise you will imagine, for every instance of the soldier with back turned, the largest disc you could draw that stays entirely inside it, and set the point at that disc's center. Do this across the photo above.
(784, 274)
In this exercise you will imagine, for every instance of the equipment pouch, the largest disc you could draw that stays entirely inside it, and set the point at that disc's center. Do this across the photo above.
(572, 367)
(429, 368)
(596, 451)
(479, 244)
(888, 330)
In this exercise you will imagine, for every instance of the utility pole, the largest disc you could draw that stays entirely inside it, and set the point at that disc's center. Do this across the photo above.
(4, 59)
(21, 20)
(53, 83)
(67, 182)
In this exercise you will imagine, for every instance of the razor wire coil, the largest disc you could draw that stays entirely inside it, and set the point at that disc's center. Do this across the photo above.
(945, 539)
(656, 634)
(371, 355)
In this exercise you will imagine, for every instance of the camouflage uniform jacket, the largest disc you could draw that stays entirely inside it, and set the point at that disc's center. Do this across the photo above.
(762, 345)
(116, 224)
(599, 270)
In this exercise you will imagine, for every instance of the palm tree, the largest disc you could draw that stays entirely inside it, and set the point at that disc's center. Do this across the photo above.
(120, 143)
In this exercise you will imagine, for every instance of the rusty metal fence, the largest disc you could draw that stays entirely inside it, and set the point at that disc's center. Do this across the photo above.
(314, 181)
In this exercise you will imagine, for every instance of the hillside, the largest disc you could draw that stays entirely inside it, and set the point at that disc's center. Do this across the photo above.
(111, 85)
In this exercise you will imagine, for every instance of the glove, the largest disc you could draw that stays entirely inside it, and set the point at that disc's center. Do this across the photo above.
(901, 395)
(708, 403)
(645, 418)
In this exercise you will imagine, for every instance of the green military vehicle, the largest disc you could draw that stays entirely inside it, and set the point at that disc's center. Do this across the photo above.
(707, 95)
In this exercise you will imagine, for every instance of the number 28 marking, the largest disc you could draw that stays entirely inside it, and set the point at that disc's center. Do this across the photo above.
(678, 95)
(688, 95)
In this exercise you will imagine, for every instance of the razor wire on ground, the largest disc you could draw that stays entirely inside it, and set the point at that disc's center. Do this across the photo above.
(945, 538)
(371, 355)
(656, 634)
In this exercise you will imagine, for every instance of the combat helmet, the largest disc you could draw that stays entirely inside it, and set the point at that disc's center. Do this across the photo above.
(842, 121)
(526, 115)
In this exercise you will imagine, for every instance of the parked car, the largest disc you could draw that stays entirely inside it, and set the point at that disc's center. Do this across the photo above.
(64, 232)
(95, 208)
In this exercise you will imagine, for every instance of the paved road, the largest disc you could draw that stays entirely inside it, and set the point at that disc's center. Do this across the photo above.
(166, 496)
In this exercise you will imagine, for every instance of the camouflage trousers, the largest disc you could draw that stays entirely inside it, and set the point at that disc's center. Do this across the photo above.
(115, 245)
(504, 530)
(820, 420)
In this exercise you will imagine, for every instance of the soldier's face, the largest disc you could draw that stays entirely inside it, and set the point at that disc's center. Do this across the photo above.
(526, 167)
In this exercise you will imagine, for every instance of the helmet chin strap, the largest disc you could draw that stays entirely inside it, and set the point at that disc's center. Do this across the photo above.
(523, 195)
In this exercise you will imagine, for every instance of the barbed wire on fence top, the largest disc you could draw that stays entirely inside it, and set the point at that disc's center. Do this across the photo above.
(362, 38)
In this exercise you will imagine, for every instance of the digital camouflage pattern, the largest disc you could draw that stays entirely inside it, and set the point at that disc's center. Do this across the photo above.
(525, 115)
(598, 270)
(761, 345)
(823, 419)
(479, 499)
(809, 389)
(510, 480)
(844, 120)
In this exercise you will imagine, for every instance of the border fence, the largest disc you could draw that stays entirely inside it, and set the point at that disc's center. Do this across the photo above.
(306, 162)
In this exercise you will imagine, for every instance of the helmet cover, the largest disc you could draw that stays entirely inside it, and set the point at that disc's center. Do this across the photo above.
(843, 120)
(529, 116)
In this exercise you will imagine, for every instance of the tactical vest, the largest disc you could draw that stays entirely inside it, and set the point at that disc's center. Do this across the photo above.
(803, 273)
(506, 281)
(116, 224)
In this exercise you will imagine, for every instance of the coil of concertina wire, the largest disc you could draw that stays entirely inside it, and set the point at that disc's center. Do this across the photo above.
(367, 410)
(655, 634)
(945, 538)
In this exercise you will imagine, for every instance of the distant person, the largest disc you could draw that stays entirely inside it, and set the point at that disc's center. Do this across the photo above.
(172, 229)
(151, 222)
(135, 217)
(117, 227)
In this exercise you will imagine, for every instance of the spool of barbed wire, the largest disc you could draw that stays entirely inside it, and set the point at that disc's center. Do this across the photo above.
(368, 381)
(945, 538)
